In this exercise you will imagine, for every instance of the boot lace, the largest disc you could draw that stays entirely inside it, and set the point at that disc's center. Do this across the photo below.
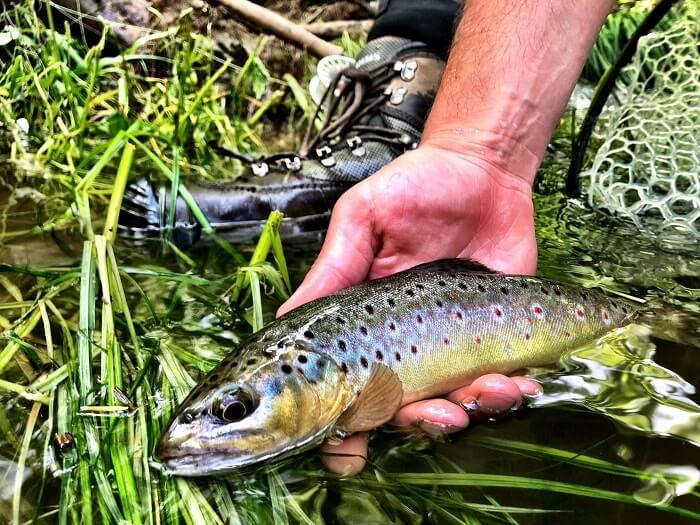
(352, 95)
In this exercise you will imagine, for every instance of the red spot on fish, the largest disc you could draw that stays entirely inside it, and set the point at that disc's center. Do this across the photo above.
(477, 340)
(497, 312)
(419, 319)
(414, 349)
(567, 334)
(537, 310)
(527, 336)
(606, 316)
(446, 341)
(458, 315)
(392, 326)
(580, 312)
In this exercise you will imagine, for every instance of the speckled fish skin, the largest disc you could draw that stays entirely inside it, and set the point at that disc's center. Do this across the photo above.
(437, 326)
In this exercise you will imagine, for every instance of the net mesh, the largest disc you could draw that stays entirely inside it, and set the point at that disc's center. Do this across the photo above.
(648, 166)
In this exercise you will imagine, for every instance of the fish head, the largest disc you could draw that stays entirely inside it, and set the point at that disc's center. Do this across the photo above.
(237, 418)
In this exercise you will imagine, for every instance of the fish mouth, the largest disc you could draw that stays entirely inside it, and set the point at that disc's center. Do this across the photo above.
(205, 464)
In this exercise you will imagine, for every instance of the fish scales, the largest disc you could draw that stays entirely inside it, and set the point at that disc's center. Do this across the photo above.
(436, 326)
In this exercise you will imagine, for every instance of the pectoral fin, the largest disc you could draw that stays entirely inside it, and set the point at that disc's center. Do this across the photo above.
(376, 404)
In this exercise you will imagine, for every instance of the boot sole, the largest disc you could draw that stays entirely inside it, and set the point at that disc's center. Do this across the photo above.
(292, 229)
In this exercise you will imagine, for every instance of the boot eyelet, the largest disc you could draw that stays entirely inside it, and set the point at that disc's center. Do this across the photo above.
(356, 147)
(398, 95)
(293, 164)
(408, 70)
(260, 169)
(325, 151)
(328, 162)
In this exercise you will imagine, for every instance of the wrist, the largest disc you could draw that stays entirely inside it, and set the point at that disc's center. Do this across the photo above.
(493, 150)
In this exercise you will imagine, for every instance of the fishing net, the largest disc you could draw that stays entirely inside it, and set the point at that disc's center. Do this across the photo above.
(648, 166)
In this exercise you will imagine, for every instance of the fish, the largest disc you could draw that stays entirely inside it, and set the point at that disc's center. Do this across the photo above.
(347, 362)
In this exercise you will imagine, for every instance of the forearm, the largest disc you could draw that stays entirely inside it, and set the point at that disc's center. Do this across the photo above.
(511, 70)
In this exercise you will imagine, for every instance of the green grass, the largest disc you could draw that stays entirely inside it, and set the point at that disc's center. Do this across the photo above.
(101, 350)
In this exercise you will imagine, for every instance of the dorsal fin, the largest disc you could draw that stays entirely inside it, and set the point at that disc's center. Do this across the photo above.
(462, 265)
(377, 402)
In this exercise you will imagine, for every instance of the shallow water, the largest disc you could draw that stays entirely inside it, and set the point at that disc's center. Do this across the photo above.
(630, 400)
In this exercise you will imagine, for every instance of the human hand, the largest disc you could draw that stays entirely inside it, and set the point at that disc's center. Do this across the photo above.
(428, 204)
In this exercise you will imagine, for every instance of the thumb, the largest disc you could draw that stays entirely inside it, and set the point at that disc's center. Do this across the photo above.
(347, 253)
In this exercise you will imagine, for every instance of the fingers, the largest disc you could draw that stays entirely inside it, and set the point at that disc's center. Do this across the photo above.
(346, 255)
(490, 396)
(434, 416)
(347, 457)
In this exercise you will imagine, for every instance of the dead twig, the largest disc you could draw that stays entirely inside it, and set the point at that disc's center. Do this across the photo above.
(335, 28)
(279, 26)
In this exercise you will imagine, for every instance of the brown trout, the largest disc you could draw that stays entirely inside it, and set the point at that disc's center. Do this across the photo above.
(347, 362)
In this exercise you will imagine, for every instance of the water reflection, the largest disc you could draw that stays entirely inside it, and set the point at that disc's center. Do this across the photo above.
(618, 378)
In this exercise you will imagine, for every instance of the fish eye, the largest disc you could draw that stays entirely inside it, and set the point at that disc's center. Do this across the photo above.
(234, 406)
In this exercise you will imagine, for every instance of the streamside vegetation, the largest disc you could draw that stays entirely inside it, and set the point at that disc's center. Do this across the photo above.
(100, 344)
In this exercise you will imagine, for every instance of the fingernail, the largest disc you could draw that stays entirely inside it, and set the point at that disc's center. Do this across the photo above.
(436, 430)
(492, 404)
(469, 404)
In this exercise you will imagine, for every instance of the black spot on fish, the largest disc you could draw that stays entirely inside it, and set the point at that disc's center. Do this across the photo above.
(363, 330)
(344, 368)
(584, 296)
(214, 378)
(442, 283)
(342, 345)
(188, 417)
(544, 290)
(286, 368)
(504, 290)
(420, 286)
(369, 309)
(301, 371)
(410, 292)
(309, 334)
(280, 344)
(392, 326)
(523, 285)
(462, 286)
(321, 363)
(458, 315)
(557, 292)
(391, 302)
(625, 310)
(340, 320)
(397, 356)
(234, 364)
(419, 319)
(364, 362)
(380, 356)
(481, 288)
(251, 361)
(482, 277)
(303, 359)
(439, 304)
(414, 349)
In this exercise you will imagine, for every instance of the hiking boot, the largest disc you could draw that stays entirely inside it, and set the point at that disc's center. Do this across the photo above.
(374, 112)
